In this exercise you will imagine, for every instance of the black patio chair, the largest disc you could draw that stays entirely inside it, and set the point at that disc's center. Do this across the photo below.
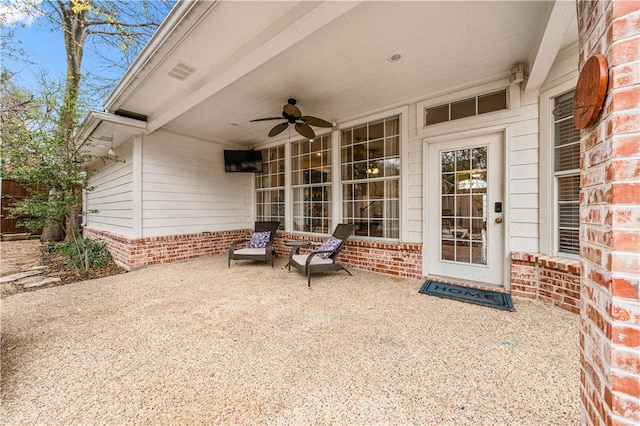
(242, 250)
(324, 259)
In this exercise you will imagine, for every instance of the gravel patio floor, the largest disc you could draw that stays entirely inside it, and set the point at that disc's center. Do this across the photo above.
(196, 343)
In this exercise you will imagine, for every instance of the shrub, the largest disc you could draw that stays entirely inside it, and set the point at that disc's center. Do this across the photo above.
(84, 253)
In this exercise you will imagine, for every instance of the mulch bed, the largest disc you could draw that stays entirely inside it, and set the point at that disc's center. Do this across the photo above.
(20, 256)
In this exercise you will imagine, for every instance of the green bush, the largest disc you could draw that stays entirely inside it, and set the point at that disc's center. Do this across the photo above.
(84, 253)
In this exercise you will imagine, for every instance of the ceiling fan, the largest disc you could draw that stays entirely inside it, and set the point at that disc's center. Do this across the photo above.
(292, 114)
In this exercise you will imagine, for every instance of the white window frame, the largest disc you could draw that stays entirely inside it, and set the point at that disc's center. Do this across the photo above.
(262, 189)
(548, 181)
(462, 124)
(402, 113)
(293, 187)
(336, 182)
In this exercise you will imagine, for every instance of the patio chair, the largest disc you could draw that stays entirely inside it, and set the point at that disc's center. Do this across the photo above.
(258, 246)
(324, 259)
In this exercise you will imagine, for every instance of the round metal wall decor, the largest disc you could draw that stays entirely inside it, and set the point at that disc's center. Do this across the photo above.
(590, 91)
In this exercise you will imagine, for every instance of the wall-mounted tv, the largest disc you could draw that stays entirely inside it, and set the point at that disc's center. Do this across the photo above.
(242, 161)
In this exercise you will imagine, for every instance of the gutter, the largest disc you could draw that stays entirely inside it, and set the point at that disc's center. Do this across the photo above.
(95, 118)
(167, 27)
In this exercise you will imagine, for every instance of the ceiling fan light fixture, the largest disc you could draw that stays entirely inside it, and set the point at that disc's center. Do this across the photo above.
(292, 115)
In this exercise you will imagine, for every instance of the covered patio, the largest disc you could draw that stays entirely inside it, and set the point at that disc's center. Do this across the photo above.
(194, 342)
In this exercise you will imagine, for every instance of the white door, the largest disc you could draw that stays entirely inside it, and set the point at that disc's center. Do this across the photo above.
(465, 209)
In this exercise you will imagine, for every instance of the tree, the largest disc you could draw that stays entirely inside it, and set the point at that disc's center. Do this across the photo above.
(39, 148)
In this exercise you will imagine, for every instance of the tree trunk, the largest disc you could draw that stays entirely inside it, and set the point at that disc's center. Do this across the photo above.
(52, 232)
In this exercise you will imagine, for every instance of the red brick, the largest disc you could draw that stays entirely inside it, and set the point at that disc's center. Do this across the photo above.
(626, 336)
(625, 383)
(626, 360)
(625, 193)
(626, 240)
(629, 408)
(623, 169)
(625, 26)
(625, 263)
(624, 7)
(625, 288)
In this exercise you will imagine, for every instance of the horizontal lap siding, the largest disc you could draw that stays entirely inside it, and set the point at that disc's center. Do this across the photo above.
(523, 172)
(185, 189)
(110, 203)
(415, 178)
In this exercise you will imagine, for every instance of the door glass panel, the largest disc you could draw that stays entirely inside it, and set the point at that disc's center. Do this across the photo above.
(464, 205)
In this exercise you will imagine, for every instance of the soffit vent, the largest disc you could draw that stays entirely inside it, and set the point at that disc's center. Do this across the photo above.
(181, 71)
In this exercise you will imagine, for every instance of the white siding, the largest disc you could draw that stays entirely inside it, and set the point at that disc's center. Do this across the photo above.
(522, 161)
(112, 196)
(414, 184)
(186, 190)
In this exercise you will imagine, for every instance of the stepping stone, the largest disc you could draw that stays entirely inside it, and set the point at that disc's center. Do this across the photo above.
(42, 282)
(38, 268)
(29, 280)
(18, 276)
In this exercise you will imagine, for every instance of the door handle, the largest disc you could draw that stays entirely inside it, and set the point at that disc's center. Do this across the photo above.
(498, 220)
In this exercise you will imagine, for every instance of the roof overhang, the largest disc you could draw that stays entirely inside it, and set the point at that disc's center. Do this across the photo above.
(101, 131)
(245, 59)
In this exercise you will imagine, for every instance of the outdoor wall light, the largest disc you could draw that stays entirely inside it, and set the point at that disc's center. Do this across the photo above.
(111, 152)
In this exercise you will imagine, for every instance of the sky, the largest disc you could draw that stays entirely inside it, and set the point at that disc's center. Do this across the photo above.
(45, 47)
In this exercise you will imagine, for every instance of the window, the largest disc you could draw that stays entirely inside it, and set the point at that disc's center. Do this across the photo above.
(469, 107)
(370, 173)
(311, 185)
(270, 186)
(566, 154)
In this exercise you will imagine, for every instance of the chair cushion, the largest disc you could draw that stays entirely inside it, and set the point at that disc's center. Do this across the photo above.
(259, 239)
(301, 259)
(251, 251)
(329, 244)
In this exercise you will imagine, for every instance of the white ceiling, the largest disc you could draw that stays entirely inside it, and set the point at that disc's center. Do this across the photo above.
(250, 57)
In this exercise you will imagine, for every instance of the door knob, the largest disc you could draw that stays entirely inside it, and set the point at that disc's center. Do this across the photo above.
(498, 220)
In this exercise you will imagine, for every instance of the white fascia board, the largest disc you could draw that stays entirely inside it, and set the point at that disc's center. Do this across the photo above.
(95, 118)
(308, 24)
(159, 38)
(548, 43)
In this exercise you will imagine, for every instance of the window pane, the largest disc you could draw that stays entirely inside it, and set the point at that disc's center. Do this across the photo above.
(568, 240)
(392, 146)
(347, 172)
(436, 115)
(569, 188)
(360, 152)
(567, 157)
(360, 133)
(465, 108)
(376, 130)
(492, 102)
(346, 137)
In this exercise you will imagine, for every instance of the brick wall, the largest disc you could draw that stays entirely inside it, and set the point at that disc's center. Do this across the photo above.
(552, 280)
(401, 259)
(134, 253)
(610, 218)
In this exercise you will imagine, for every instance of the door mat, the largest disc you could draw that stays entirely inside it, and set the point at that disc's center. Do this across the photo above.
(493, 299)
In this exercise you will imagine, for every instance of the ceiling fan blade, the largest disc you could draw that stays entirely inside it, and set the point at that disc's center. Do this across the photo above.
(292, 110)
(265, 119)
(315, 121)
(305, 130)
(279, 128)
